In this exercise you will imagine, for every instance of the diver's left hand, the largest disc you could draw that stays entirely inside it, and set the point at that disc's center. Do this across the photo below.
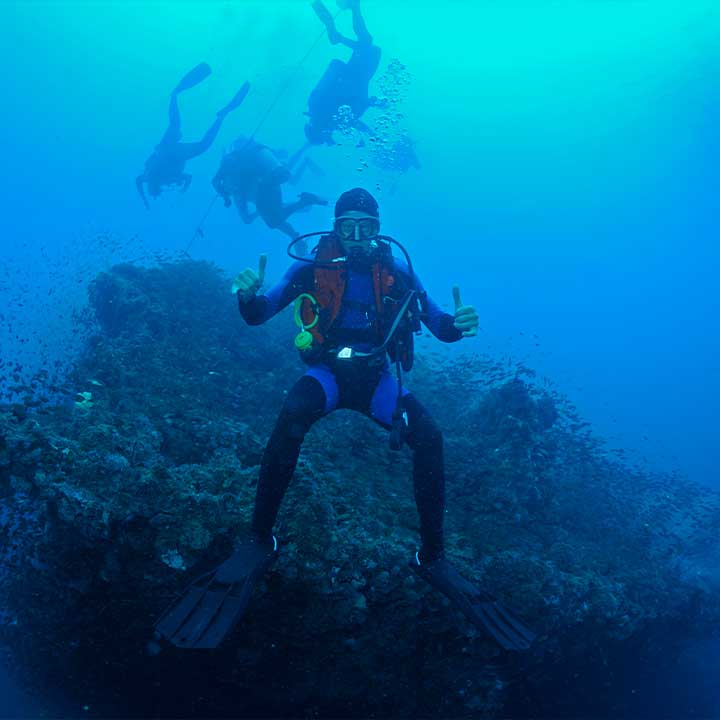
(466, 319)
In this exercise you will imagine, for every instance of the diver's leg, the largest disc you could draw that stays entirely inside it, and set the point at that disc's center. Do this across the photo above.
(237, 99)
(275, 212)
(364, 38)
(174, 114)
(269, 203)
(359, 26)
(327, 20)
(306, 199)
(384, 399)
(425, 440)
(284, 227)
(348, 42)
(308, 400)
(363, 63)
(173, 132)
(191, 150)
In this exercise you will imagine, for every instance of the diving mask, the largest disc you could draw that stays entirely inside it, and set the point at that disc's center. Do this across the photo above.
(357, 227)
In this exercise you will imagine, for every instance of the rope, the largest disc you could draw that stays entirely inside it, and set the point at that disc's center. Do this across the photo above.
(287, 84)
(263, 119)
(198, 229)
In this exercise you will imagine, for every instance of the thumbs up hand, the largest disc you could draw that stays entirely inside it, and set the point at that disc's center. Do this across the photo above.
(466, 319)
(248, 282)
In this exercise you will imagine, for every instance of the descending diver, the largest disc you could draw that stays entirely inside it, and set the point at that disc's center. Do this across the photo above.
(343, 83)
(356, 305)
(254, 173)
(165, 167)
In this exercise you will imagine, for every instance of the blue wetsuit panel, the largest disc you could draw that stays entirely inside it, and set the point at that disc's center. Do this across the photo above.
(299, 278)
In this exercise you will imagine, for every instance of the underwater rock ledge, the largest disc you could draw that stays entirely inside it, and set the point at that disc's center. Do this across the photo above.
(146, 466)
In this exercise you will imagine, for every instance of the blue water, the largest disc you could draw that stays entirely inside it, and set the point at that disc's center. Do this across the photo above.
(569, 182)
(569, 170)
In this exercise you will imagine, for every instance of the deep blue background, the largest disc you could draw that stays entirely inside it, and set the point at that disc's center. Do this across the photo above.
(569, 181)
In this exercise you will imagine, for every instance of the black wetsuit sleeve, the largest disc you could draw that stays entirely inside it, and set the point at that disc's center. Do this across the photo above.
(437, 321)
(298, 279)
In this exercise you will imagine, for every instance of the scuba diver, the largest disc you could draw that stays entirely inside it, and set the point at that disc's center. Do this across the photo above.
(165, 167)
(253, 173)
(343, 83)
(356, 306)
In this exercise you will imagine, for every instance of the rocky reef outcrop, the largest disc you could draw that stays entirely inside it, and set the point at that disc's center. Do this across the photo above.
(141, 470)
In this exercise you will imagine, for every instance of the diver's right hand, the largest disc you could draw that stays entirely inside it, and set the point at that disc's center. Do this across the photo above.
(248, 282)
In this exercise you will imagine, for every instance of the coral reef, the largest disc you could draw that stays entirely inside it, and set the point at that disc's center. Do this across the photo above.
(143, 467)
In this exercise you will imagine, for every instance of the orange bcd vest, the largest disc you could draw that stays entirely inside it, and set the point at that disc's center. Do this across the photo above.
(329, 288)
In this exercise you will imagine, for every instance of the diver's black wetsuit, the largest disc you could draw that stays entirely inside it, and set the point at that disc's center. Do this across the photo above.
(252, 173)
(166, 166)
(344, 83)
(371, 391)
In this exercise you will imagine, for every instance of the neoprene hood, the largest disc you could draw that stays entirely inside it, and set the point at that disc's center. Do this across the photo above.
(358, 200)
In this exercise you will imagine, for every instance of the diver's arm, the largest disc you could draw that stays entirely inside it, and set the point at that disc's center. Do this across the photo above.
(436, 320)
(466, 319)
(260, 308)
(139, 180)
